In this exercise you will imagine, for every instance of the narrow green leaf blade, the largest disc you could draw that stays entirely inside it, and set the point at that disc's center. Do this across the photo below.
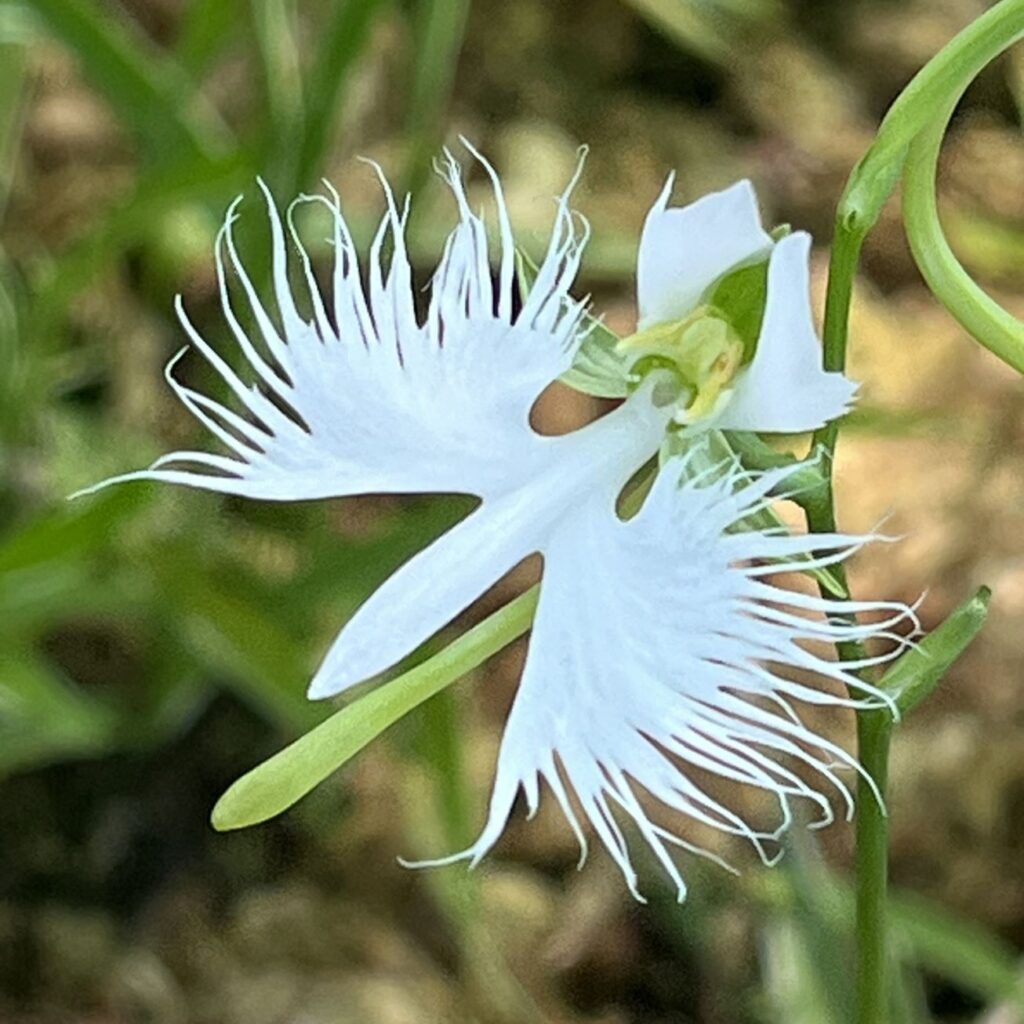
(274, 24)
(439, 30)
(147, 89)
(687, 26)
(289, 775)
(714, 30)
(68, 531)
(958, 949)
(42, 718)
(344, 39)
(919, 671)
(13, 63)
(261, 658)
(824, 938)
(204, 30)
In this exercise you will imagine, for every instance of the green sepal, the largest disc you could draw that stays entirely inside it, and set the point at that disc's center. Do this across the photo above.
(598, 369)
(920, 670)
(741, 295)
(282, 780)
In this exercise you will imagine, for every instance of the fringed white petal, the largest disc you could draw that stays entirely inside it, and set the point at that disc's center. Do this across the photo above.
(369, 400)
(785, 390)
(660, 647)
(684, 250)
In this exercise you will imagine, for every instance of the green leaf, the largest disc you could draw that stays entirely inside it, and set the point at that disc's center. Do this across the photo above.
(274, 22)
(931, 937)
(42, 718)
(32, 600)
(147, 89)
(344, 39)
(204, 29)
(824, 938)
(13, 63)
(958, 949)
(289, 775)
(794, 988)
(920, 671)
(710, 28)
(71, 530)
(16, 372)
(439, 29)
(261, 659)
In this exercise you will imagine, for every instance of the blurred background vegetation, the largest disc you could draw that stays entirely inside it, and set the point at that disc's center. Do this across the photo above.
(154, 644)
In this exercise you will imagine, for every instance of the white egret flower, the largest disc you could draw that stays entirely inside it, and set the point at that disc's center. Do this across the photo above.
(660, 643)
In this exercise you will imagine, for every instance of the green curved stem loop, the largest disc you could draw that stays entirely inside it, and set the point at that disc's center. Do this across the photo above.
(983, 317)
(945, 76)
(937, 86)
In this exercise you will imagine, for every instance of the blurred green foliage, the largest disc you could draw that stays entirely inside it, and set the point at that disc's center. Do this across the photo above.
(183, 584)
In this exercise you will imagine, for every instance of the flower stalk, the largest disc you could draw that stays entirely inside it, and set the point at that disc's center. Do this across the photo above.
(907, 143)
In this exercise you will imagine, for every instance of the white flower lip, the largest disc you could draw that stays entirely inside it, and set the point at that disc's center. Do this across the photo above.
(659, 641)
(662, 663)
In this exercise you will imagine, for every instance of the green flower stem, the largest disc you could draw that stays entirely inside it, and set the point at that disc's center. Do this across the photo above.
(910, 129)
(874, 732)
(915, 675)
(983, 317)
(843, 259)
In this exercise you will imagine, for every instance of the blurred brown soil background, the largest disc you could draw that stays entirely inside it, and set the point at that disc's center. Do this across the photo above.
(118, 904)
